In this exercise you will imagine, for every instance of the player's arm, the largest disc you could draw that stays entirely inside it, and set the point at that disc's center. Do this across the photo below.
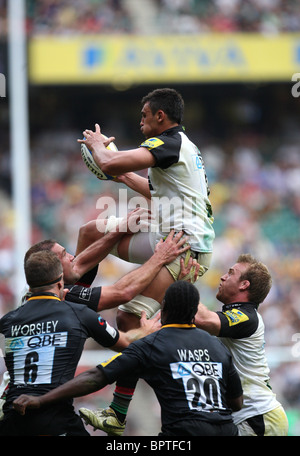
(137, 280)
(116, 162)
(235, 404)
(137, 183)
(146, 327)
(208, 320)
(85, 383)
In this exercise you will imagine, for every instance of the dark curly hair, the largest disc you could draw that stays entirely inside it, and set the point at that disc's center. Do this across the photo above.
(180, 303)
(168, 100)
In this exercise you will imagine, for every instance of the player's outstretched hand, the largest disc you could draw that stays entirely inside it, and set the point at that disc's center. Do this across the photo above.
(23, 402)
(172, 246)
(151, 325)
(190, 271)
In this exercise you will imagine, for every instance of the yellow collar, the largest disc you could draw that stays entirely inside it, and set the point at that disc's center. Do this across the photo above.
(43, 297)
(176, 325)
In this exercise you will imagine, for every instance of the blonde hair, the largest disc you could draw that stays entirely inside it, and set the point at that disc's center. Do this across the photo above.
(259, 277)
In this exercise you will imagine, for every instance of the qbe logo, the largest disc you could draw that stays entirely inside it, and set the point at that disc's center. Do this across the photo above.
(296, 87)
(2, 86)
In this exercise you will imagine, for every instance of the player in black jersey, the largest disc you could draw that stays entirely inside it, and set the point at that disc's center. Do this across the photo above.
(190, 371)
(44, 340)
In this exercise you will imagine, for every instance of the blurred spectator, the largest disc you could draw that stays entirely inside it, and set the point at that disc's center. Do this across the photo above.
(227, 16)
(74, 17)
(77, 17)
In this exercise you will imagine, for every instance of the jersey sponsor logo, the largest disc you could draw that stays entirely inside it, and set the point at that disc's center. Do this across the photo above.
(16, 344)
(197, 162)
(33, 356)
(101, 321)
(152, 143)
(35, 342)
(235, 317)
(85, 294)
(211, 369)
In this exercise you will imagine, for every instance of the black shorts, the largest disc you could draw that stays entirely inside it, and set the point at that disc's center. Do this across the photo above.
(200, 428)
(55, 421)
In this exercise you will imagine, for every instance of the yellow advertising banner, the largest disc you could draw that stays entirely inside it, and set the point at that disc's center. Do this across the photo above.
(160, 59)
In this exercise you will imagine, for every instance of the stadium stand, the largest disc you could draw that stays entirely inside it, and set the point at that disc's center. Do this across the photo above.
(159, 16)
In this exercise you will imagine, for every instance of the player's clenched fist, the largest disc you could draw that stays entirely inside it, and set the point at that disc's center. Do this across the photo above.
(23, 402)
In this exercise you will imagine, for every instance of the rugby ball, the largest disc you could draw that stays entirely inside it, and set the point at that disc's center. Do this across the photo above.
(88, 159)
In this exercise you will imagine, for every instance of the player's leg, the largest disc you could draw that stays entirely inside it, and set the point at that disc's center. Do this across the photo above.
(89, 233)
(150, 299)
(135, 247)
(128, 315)
(94, 230)
(112, 419)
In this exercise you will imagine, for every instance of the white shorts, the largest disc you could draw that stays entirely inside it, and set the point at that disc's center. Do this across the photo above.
(142, 246)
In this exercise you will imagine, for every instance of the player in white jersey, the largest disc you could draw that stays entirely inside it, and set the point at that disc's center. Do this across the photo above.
(176, 186)
(241, 329)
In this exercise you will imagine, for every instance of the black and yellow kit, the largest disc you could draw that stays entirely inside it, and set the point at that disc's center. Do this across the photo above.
(44, 340)
(191, 374)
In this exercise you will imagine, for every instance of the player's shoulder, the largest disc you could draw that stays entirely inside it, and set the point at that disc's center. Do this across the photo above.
(145, 343)
(76, 306)
(240, 312)
(171, 135)
(239, 320)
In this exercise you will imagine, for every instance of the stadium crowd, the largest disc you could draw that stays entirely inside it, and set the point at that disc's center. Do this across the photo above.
(163, 16)
(228, 16)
